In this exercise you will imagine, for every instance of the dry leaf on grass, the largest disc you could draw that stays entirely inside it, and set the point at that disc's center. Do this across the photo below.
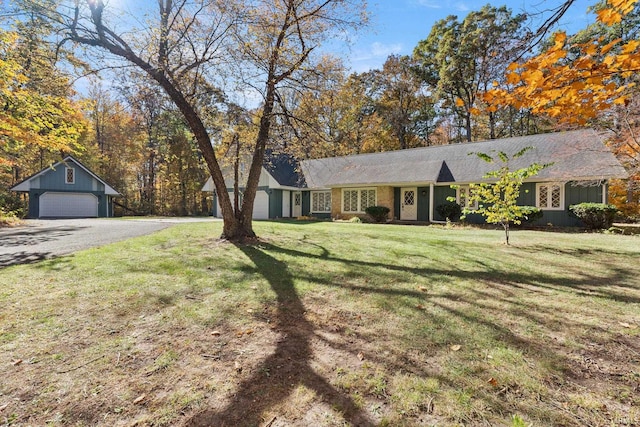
(3, 407)
(493, 382)
(139, 399)
(17, 362)
(361, 356)
(455, 347)
(215, 333)
(626, 325)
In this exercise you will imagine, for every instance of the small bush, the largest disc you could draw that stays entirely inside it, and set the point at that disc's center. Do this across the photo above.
(450, 211)
(530, 214)
(595, 216)
(378, 213)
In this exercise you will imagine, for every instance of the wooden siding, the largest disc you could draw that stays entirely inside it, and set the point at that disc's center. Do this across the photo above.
(54, 180)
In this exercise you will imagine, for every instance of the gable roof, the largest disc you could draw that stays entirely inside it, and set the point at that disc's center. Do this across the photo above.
(575, 155)
(284, 168)
(23, 186)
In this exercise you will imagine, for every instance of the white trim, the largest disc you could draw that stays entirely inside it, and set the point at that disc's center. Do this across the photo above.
(108, 190)
(549, 186)
(467, 189)
(66, 175)
(315, 193)
(359, 199)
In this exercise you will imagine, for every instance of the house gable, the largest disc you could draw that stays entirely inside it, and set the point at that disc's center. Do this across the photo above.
(56, 178)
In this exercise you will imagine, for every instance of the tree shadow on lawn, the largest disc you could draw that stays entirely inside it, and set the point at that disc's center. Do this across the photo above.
(289, 365)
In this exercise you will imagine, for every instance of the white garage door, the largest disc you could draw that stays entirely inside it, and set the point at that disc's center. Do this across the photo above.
(261, 205)
(77, 205)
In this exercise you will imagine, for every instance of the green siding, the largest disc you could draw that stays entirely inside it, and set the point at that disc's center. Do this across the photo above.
(440, 194)
(306, 203)
(561, 218)
(396, 203)
(275, 203)
(423, 204)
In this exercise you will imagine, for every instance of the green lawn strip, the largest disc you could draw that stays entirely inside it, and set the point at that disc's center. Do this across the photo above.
(413, 324)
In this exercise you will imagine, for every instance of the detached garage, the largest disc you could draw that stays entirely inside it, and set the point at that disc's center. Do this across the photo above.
(67, 189)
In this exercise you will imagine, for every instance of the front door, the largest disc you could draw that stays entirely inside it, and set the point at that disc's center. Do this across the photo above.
(296, 210)
(409, 204)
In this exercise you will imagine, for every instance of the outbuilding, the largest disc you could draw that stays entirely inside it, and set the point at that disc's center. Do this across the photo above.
(67, 189)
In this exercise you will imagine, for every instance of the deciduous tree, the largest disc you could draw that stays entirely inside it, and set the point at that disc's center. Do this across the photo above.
(187, 46)
(498, 197)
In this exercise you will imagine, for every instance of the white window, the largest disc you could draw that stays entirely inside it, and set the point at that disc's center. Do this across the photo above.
(463, 193)
(358, 199)
(69, 176)
(550, 196)
(320, 201)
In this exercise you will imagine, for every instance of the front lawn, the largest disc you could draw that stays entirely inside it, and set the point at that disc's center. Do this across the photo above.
(326, 324)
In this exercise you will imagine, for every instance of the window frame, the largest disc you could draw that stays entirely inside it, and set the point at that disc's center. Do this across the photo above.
(315, 194)
(66, 175)
(359, 199)
(467, 189)
(549, 206)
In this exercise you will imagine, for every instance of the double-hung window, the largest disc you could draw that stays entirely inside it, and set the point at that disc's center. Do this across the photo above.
(356, 200)
(550, 196)
(321, 201)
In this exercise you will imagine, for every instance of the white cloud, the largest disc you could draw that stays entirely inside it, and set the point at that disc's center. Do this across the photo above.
(431, 4)
(373, 55)
(462, 7)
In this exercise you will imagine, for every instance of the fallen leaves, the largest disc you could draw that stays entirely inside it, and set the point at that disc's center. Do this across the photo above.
(455, 347)
(627, 325)
(17, 362)
(139, 399)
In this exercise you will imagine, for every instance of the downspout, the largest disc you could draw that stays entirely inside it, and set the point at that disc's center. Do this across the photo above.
(604, 193)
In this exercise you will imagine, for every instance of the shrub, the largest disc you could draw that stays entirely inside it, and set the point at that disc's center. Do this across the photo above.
(595, 216)
(530, 214)
(450, 211)
(378, 213)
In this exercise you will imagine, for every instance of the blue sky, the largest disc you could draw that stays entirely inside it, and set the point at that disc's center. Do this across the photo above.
(398, 25)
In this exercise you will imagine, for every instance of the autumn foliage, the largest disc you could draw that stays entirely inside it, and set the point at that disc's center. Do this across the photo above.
(600, 77)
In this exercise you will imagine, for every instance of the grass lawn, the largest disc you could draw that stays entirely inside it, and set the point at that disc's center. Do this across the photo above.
(326, 324)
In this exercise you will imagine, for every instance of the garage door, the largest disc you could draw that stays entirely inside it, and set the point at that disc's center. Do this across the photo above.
(78, 205)
(261, 205)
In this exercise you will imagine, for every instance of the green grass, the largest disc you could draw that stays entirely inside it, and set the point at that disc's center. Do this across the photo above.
(326, 324)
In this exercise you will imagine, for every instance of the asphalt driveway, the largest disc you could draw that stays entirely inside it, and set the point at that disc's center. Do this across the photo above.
(42, 239)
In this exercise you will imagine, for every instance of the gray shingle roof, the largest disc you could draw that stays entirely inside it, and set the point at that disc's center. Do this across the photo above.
(576, 155)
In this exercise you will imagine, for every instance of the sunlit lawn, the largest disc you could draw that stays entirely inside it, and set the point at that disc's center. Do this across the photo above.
(327, 324)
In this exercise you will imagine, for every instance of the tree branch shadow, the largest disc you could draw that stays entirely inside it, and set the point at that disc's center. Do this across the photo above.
(289, 366)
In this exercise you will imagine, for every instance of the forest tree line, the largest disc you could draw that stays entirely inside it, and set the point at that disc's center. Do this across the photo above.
(122, 125)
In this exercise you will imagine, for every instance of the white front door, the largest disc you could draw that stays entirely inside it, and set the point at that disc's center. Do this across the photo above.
(296, 211)
(409, 204)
